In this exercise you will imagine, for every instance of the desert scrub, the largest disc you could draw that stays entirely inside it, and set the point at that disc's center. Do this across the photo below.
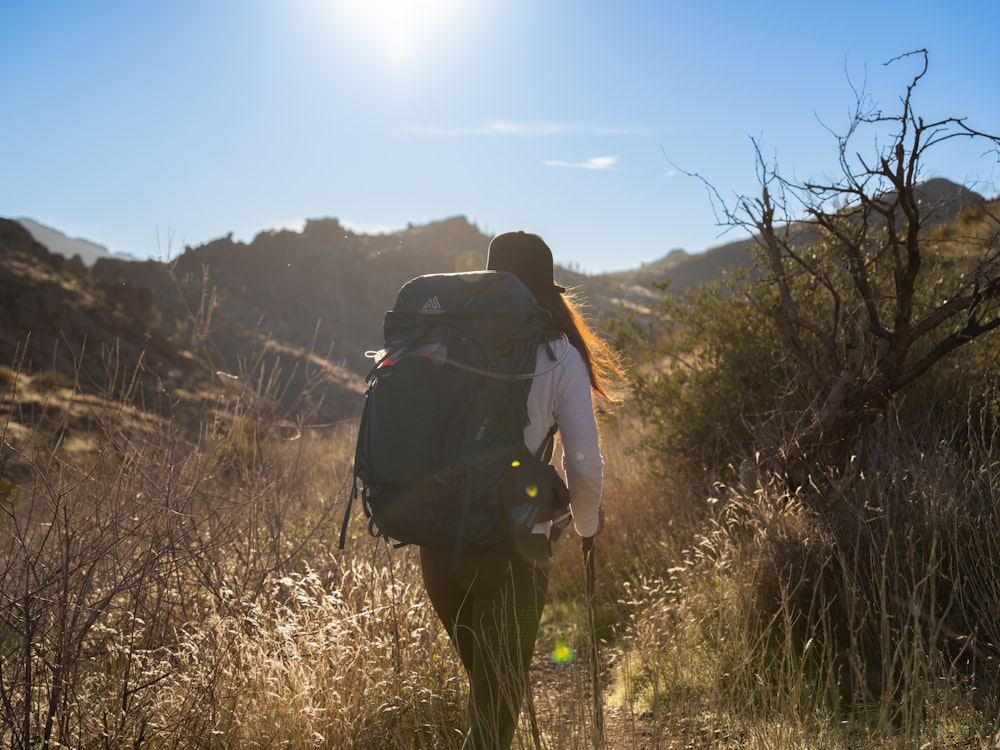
(872, 619)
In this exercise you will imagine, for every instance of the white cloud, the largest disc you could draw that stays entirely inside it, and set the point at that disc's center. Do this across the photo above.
(495, 128)
(596, 162)
(513, 128)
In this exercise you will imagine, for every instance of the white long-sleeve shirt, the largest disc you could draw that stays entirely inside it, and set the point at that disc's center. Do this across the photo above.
(562, 396)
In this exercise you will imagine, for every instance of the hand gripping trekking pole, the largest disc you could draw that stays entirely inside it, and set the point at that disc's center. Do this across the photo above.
(595, 665)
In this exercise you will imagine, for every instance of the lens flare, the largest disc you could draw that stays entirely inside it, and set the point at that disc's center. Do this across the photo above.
(531, 490)
(515, 463)
(562, 653)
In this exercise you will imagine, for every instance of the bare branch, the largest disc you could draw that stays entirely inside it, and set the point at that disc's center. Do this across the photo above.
(863, 243)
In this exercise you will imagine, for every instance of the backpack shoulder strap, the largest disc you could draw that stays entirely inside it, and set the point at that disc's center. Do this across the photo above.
(544, 452)
(551, 334)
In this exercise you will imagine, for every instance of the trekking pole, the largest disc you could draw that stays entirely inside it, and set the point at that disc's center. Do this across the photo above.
(536, 734)
(595, 665)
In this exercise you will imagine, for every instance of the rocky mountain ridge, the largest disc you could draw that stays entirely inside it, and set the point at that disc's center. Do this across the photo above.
(300, 308)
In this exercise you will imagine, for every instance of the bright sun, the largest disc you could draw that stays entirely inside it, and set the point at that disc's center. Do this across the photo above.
(403, 33)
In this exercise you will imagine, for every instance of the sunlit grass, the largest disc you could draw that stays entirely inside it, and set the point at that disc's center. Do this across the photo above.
(170, 592)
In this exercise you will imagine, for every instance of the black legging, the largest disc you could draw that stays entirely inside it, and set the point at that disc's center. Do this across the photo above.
(491, 607)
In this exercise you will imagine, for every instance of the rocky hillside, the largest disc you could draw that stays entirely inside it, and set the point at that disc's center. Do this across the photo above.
(58, 322)
(941, 199)
(293, 309)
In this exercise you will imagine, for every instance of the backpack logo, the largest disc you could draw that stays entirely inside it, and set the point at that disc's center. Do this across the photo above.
(432, 307)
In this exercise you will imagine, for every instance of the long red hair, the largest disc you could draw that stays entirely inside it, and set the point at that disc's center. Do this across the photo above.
(603, 363)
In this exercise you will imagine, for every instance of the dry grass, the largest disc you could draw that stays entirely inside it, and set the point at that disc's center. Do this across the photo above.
(159, 590)
(872, 626)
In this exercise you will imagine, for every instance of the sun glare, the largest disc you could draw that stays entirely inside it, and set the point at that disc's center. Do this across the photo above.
(404, 33)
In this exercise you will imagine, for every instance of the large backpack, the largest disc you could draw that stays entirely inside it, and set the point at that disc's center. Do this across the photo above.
(440, 450)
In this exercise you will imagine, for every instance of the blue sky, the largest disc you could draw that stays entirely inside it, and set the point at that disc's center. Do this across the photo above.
(149, 126)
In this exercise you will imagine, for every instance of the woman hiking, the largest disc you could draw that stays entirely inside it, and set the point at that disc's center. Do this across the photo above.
(491, 602)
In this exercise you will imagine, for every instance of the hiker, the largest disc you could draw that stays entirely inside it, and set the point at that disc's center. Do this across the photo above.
(491, 602)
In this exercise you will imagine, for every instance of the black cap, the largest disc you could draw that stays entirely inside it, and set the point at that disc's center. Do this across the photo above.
(526, 256)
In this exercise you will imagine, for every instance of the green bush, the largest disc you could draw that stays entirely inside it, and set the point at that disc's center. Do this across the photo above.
(718, 383)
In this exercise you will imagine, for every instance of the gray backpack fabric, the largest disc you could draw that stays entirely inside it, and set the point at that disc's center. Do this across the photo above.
(440, 452)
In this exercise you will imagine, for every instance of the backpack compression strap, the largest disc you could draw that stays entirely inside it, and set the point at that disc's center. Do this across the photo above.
(443, 358)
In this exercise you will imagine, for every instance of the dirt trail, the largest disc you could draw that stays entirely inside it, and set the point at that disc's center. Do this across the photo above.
(565, 710)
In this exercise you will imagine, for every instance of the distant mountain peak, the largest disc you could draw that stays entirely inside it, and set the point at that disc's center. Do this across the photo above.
(57, 242)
